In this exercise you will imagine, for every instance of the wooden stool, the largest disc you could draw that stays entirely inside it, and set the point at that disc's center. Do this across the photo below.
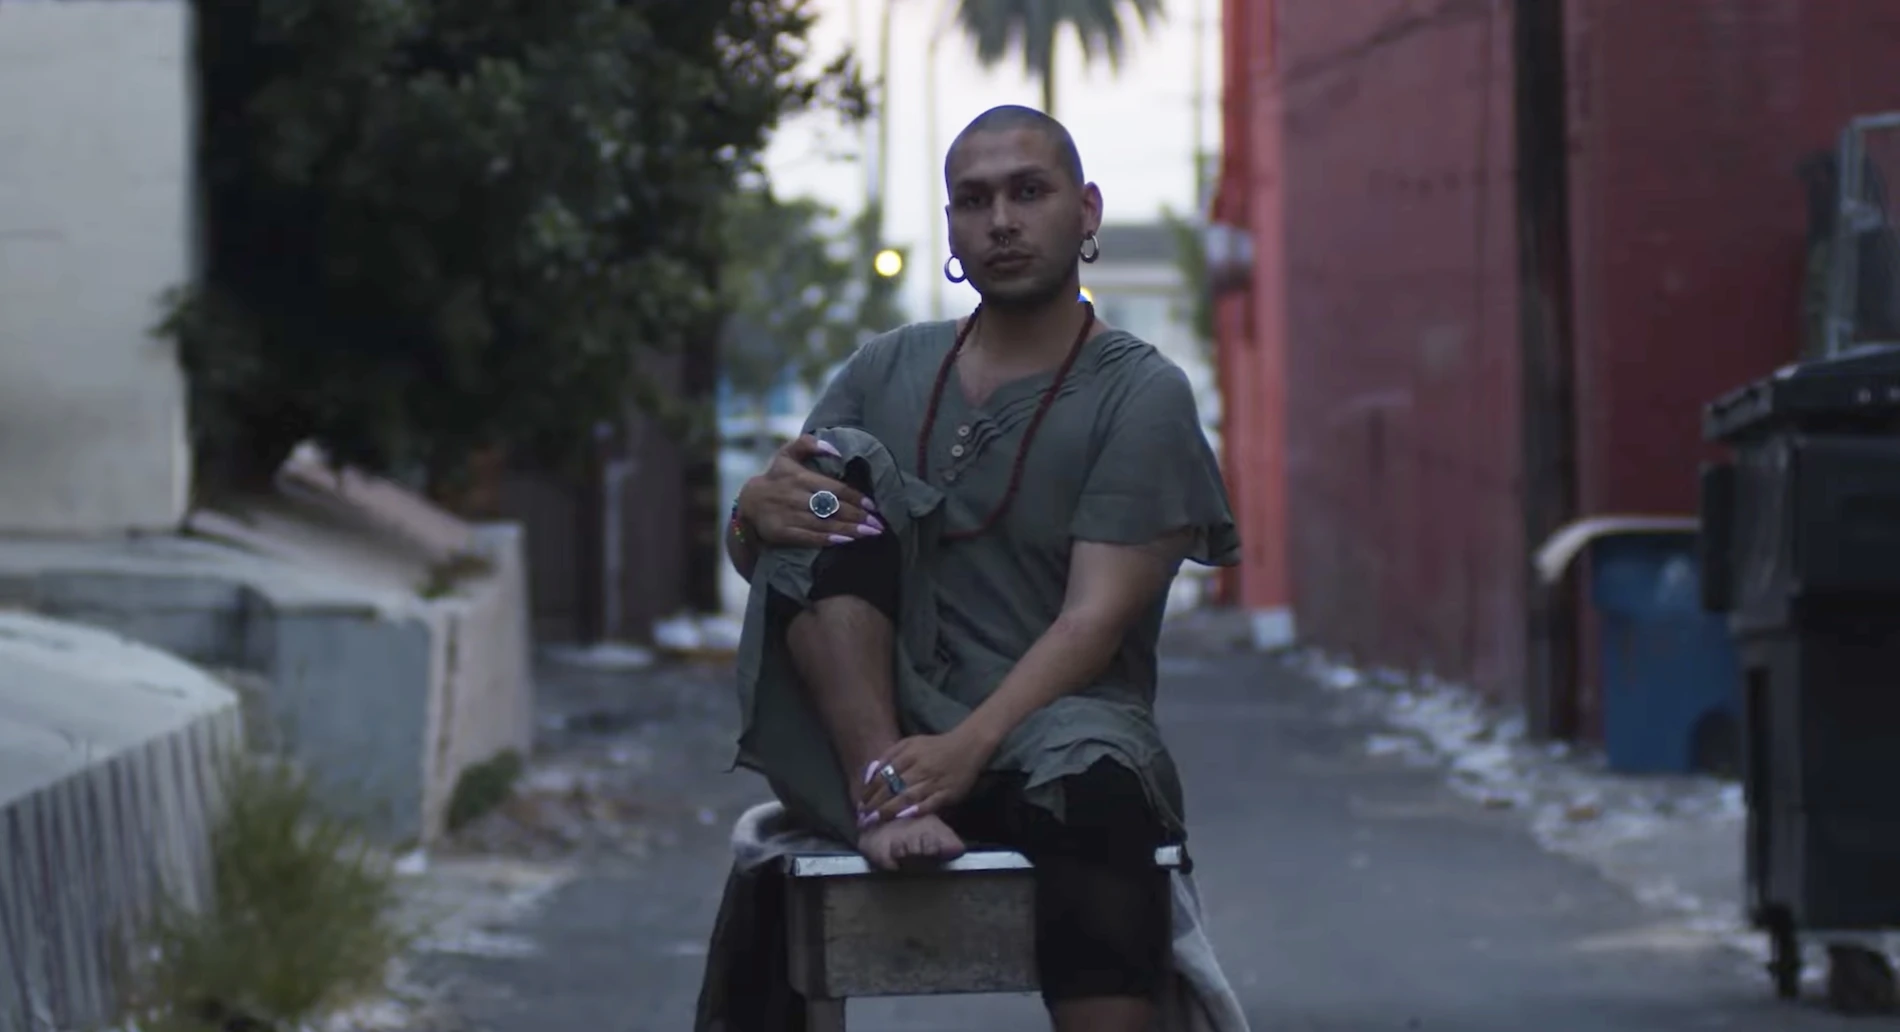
(964, 927)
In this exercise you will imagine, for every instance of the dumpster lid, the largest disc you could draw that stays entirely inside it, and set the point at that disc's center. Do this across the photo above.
(1556, 554)
(1864, 382)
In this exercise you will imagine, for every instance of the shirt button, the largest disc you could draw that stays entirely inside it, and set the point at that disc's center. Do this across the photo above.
(956, 451)
(963, 431)
(950, 477)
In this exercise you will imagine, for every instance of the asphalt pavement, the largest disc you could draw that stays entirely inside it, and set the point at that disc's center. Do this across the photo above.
(1345, 891)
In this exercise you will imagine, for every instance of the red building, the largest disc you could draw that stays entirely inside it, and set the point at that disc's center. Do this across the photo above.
(1502, 251)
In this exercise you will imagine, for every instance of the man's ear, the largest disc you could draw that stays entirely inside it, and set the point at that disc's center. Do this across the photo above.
(1091, 208)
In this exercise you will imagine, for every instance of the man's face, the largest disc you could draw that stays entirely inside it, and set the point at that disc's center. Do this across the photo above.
(1017, 220)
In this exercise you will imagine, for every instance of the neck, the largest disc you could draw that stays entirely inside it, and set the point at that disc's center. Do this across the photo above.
(1028, 329)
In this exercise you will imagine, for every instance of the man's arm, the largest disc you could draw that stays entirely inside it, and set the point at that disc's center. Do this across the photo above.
(841, 404)
(775, 506)
(1110, 587)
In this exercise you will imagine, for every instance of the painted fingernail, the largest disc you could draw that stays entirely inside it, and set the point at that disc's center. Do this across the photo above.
(906, 813)
(868, 819)
(870, 504)
(870, 772)
(830, 449)
(869, 530)
(873, 521)
(840, 539)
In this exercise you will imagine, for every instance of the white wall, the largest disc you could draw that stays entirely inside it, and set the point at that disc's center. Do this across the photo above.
(95, 210)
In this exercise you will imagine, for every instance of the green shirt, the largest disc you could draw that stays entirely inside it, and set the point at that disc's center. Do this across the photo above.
(1120, 459)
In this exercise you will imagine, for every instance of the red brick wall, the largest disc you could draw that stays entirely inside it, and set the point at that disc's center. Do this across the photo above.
(1401, 323)
(1397, 259)
(1688, 223)
(1250, 320)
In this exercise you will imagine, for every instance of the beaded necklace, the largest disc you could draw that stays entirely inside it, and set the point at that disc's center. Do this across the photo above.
(1029, 435)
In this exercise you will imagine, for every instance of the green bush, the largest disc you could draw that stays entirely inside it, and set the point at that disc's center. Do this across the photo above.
(437, 228)
(483, 787)
(299, 921)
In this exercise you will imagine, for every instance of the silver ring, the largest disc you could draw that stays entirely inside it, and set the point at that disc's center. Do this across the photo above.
(891, 780)
(824, 504)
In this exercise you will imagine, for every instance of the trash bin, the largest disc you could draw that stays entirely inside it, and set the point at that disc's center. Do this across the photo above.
(1804, 558)
(1670, 681)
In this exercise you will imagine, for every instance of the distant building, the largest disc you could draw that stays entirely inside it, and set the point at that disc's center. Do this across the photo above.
(1138, 286)
(96, 188)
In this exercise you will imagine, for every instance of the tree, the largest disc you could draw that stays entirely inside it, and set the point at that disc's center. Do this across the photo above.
(438, 228)
(798, 298)
(1029, 29)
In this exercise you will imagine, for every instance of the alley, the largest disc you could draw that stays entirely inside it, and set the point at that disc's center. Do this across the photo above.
(1346, 892)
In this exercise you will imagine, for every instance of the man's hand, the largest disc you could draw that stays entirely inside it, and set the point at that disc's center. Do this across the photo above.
(937, 771)
(776, 505)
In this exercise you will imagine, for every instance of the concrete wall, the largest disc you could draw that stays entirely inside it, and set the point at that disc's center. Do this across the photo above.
(383, 695)
(95, 216)
(108, 774)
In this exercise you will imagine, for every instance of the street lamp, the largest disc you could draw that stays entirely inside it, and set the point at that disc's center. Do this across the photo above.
(888, 263)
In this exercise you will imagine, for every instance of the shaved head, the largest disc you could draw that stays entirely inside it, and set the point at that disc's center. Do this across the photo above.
(1020, 212)
(1013, 118)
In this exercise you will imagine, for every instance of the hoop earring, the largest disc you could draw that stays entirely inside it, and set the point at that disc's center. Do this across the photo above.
(1091, 249)
(957, 276)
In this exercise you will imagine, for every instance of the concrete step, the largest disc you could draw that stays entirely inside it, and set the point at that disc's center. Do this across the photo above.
(109, 754)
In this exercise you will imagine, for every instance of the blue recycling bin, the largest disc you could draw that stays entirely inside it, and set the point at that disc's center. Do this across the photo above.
(1669, 671)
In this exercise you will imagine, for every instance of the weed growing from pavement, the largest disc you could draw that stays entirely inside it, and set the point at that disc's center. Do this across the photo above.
(299, 920)
(483, 787)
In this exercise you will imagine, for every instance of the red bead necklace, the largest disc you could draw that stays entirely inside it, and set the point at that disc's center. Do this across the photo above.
(1029, 435)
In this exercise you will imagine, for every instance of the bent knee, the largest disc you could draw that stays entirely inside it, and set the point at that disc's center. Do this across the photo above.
(1107, 814)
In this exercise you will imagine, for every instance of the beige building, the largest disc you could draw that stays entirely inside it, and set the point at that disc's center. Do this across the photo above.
(1138, 286)
(95, 225)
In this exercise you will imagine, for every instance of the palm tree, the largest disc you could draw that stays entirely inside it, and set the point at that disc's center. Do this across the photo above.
(1029, 28)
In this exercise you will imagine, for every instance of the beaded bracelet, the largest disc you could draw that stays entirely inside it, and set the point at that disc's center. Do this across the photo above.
(735, 525)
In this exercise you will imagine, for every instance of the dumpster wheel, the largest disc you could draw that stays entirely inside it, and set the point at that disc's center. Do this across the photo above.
(1784, 953)
(1859, 980)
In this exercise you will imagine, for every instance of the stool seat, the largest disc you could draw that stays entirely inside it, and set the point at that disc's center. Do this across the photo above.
(846, 864)
(966, 926)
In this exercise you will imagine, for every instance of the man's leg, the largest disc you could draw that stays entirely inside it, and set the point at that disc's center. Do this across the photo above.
(1104, 913)
(842, 647)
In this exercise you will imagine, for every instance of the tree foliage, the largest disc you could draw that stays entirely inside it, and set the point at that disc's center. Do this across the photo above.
(800, 295)
(1028, 29)
(440, 226)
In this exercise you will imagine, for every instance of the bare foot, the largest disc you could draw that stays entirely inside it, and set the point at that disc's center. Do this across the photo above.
(919, 841)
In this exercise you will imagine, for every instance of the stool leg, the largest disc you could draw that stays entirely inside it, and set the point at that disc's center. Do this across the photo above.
(824, 1016)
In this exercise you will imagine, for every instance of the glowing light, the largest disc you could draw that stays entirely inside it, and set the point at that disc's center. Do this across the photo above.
(888, 263)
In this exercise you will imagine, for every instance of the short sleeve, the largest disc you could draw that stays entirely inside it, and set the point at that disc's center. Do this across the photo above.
(1155, 474)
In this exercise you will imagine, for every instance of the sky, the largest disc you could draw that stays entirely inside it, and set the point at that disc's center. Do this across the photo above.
(1135, 129)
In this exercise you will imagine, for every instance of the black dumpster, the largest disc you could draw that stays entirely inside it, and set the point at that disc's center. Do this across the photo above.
(1801, 540)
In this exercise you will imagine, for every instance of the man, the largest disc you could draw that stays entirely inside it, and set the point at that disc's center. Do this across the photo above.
(959, 575)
